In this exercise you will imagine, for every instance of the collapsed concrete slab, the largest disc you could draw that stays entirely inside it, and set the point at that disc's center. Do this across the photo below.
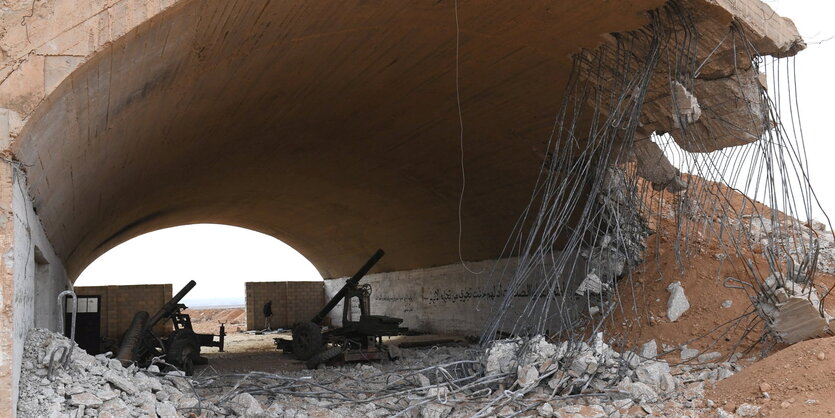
(792, 311)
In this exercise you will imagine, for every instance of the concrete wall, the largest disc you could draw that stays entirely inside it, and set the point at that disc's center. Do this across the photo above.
(32, 276)
(292, 302)
(120, 303)
(447, 299)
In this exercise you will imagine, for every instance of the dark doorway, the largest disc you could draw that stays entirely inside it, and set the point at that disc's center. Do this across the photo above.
(87, 322)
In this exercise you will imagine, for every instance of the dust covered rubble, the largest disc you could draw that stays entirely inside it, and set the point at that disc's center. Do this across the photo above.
(514, 376)
(615, 384)
(94, 386)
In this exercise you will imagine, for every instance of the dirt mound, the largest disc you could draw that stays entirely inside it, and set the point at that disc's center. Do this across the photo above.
(798, 380)
(697, 251)
(208, 320)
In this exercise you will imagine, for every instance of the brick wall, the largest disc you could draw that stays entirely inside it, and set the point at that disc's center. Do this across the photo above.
(292, 302)
(120, 303)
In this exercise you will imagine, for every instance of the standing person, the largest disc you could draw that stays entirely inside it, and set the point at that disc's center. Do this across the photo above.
(268, 314)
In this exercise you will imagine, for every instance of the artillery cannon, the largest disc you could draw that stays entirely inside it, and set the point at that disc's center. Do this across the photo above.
(180, 349)
(359, 339)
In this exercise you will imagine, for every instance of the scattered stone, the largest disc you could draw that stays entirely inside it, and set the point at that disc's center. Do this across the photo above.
(677, 304)
(85, 399)
(747, 410)
(527, 376)
(501, 357)
(657, 375)
(765, 387)
(640, 392)
(688, 353)
(649, 350)
(247, 406)
(633, 360)
(821, 356)
(119, 382)
(591, 284)
(166, 410)
(721, 413)
(708, 357)
(545, 410)
(727, 303)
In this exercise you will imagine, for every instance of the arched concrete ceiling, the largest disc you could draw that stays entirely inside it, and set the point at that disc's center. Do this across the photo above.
(331, 126)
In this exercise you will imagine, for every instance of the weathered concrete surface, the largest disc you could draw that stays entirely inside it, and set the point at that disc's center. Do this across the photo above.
(7, 305)
(334, 129)
(30, 280)
(452, 299)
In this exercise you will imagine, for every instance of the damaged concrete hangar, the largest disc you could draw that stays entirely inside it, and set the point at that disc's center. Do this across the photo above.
(418, 127)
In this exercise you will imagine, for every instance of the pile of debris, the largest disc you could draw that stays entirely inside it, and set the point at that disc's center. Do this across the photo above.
(595, 380)
(513, 376)
(94, 386)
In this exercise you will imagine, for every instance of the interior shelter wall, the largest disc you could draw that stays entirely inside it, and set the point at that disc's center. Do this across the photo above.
(292, 302)
(120, 303)
(451, 299)
(31, 278)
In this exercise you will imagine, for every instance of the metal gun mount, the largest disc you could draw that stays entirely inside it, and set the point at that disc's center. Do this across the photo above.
(359, 339)
(181, 348)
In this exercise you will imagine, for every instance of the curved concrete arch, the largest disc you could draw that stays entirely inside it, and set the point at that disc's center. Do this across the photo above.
(334, 129)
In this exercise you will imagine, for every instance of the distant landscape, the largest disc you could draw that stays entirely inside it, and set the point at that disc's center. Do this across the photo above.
(215, 303)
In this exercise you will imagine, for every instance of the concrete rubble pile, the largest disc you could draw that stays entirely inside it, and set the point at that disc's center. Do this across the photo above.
(792, 242)
(619, 243)
(94, 386)
(513, 376)
(627, 383)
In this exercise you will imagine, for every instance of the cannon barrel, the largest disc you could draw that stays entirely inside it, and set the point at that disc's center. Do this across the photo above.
(171, 306)
(352, 282)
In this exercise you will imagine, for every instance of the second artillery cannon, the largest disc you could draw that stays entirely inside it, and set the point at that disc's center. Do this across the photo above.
(356, 339)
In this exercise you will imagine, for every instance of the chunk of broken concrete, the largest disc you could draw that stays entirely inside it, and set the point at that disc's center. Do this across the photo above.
(677, 304)
(687, 106)
(657, 375)
(791, 310)
(688, 353)
(527, 376)
(748, 410)
(591, 284)
(246, 406)
(649, 350)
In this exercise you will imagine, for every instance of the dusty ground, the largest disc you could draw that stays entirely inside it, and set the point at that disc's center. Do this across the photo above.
(208, 320)
(800, 381)
(244, 352)
(720, 318)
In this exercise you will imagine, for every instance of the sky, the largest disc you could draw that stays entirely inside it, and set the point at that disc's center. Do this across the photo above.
(221, 258)
(816, 90)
